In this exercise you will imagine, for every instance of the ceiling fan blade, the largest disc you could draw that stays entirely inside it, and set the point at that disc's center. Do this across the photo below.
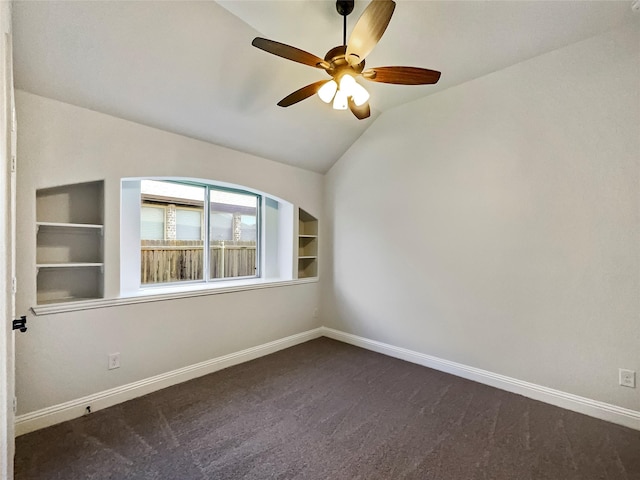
(369, 29)
(402, 75)
(361, 112)
(289, 52)
(301, 94)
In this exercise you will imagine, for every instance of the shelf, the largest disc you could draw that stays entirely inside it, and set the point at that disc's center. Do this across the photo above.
(80, 203)
(307, 267)
(69, 265)
(63, 245)
(307, 224)
(88, 226)
(69, 243)
(57, 283)
(307, 245)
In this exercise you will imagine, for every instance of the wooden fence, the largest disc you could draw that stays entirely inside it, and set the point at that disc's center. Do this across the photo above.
(164, 261)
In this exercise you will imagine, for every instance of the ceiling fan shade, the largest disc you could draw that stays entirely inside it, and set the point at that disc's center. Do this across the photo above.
(340, 101)
(344, 63)
(328, 91)
(353, 90)
(402, 75)
(360, 111)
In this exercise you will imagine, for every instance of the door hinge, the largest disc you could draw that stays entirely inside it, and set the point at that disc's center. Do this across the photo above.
(20, 324)
(13, 164)
(15, 405)
(14, 285)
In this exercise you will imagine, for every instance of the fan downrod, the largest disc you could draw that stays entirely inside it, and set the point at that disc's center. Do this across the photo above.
(344, 8)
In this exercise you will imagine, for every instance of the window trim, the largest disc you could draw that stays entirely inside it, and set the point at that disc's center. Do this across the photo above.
(276, 242)
(162, 296)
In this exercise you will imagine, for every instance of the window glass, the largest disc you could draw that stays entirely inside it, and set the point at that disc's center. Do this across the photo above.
(221, 226)
(176, 253)
(248, 228)
(151, 223)
(188, 224)
(234, 234)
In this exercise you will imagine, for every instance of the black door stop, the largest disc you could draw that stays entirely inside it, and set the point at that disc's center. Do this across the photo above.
(20, 324)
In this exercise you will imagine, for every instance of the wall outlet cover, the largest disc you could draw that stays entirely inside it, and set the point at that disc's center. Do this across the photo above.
(114, 361)
(627, 378)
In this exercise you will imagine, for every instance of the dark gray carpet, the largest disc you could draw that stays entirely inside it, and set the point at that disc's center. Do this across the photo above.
(326, 410)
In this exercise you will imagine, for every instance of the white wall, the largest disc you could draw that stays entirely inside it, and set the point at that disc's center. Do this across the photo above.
(64, 356)
(496, 224)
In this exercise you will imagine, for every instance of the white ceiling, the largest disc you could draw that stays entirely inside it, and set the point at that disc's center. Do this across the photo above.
(189, 67)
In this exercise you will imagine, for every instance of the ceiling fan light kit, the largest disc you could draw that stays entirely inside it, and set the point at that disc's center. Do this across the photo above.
(328, 91)
(340, 101)
(349, 88)
(346, 62)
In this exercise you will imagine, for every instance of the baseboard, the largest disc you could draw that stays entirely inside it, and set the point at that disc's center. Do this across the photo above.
(593, 408)
(76, 408)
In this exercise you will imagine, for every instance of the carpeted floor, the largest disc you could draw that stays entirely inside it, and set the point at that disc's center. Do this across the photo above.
(327, 410)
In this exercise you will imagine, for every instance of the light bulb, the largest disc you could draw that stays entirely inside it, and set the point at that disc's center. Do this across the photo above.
(327, 91)
(347, 83)
(340, 101)
(359, 94)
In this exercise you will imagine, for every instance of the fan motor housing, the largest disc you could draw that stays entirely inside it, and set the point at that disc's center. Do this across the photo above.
(344, 7)
(338, 64)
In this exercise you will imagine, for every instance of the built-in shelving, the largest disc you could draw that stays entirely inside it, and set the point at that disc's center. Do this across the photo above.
(307, 245)
(69, 243)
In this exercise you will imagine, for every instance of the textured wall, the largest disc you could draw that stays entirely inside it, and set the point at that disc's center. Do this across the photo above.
(64, 356)
(519, 195)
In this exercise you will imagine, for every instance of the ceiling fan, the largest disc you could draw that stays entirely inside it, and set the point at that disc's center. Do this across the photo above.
(346, 62)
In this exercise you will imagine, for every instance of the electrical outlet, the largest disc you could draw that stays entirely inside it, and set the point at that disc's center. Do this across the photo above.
(114, 361)
(627, 378)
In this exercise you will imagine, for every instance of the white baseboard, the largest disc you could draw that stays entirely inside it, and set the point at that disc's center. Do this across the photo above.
(76, 408)
(593, 408)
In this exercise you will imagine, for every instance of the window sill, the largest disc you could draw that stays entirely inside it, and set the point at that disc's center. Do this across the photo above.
(159, 294)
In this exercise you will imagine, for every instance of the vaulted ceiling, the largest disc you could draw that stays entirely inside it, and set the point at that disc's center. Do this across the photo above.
(189, 67)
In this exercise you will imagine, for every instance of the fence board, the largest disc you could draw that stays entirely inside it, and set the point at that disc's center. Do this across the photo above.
(165, 261)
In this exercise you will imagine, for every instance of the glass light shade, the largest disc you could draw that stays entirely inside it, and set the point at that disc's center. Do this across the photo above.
(359, 94)
(347, 83)
(340, 101)
(327, 91)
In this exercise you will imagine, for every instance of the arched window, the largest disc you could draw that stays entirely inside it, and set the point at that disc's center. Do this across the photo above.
(194, 231)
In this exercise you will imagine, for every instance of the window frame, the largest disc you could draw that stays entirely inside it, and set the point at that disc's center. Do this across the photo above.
(259, 233)
(206, 218)
(277, 243)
